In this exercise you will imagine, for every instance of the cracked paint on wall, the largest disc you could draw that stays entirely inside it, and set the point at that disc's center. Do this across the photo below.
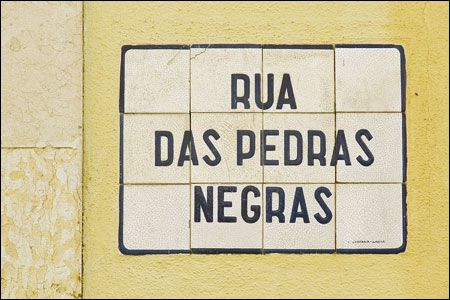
(41, 229)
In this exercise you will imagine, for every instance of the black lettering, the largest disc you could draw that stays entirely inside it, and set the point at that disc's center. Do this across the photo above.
(234, 97)
(267, 148)
(299, 200)
(201, 203)
(341, 142)
(270, 212)
(241, 155)
(311, 154)
(287, 146)
(244, 203)
(286, 86)
(370, 158)
(270, 94)
(217, 158)
(328, 214)
(187, 145)
(158, 160)
(222, 204)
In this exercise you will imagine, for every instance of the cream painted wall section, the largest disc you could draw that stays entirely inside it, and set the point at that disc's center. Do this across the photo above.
(422, 271)
(41, 134)
(41, 72)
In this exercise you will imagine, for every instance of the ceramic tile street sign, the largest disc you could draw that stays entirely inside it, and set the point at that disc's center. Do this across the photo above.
(262, 149)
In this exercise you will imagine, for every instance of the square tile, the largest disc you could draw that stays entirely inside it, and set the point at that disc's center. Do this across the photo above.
(299, 218)
(370, 78)
(147, 222)
(212, 67)
(291, 131)
(156, 79)
(217, 218)
(370, 218)
(375, 143)
(227, 125)
(307, 73)
(140, 162)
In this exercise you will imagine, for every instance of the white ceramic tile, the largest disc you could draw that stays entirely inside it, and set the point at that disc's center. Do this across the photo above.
(368, 79)
(239, 235)
(155, 217)
(302, 172)
(139, 165)
(369, 216)
(211, 70)
(313, 231)
(311, 76)
(226, 125)
(157, 80)
(386, 147)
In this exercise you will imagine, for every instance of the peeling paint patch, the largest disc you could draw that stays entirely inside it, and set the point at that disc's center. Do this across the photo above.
(41, 223)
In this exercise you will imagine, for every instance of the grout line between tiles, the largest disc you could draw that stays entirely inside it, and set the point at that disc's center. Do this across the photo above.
(190, 152)
(263, 208)
(258, 182)
(257, 112)
(38, 148)
(335, 167)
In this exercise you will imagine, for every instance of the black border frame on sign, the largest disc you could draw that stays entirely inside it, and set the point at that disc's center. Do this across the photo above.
(400, 249)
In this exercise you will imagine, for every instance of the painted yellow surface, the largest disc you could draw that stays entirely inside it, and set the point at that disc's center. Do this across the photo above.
(422, 271)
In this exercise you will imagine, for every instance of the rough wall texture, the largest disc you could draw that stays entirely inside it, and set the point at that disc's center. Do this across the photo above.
(422, 271)
(41, 230)
(41, 109)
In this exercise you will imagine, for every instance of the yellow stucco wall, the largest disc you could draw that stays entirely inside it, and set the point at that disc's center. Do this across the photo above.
(422, 271)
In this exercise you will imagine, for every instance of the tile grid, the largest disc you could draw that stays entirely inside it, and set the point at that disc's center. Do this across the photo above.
(301, 250)
(263, 179)
(122, 183)
(404, 162)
